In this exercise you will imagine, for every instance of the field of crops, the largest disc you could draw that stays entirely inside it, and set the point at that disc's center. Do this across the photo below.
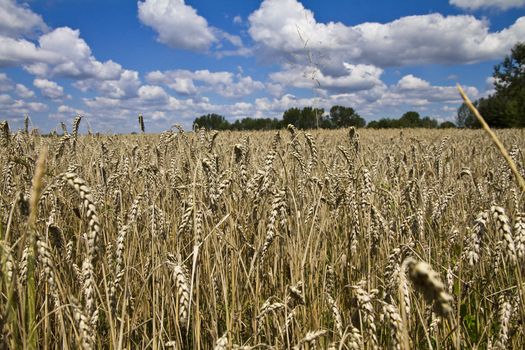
(338, 239)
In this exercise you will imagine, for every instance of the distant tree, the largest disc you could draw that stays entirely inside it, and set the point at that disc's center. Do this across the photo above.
(291, 116)
(428, 123)
(326, 123)
(306, 118)
(384, 123)
(410, 119)
(211, 121)
(343, 117)
(310, 117)
(374, 124)
(465, 118)
(447, 125)
(256, 124)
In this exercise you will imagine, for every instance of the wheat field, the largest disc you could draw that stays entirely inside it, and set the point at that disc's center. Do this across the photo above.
(342, 239)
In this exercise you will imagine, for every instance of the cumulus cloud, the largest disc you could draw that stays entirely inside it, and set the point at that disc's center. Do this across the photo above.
(17, 20)
(410, 82)
(477, 4)
(237, 19)
(15, 109)
(178, 25)
(285, 29)
(5, 83)
(60, 53)
(16, 52)
(188, 82)
(415, 91)
(49, 89)
(22, 91)
(183, 86)
(65, 112)
(152, 93)
(75, 57)
(357, 77)
(126, 85)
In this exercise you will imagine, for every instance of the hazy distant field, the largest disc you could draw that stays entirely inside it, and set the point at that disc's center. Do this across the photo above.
(327, 239)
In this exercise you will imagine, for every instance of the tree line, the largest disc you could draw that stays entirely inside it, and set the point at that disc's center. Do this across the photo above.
(305, 118)
(311, 118)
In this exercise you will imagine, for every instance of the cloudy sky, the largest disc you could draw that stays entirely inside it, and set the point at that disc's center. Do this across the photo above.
(173, 60)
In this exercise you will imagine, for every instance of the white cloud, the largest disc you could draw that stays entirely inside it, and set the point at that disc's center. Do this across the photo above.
(356, 77)
(285, 29)
(237, 19)
(16, 52)
(152, 93)
(413, 91)
(65, 112)
(61, 53)
(15, 109)
(275, 90)
(49, 89)
(125, 86)
(477, 4)
(5, 83)
(17, 20)
(183, 86)
(71, 110)
(410, 82)
(223, 83)
(22, 91)
(178, 25)
(76, 59)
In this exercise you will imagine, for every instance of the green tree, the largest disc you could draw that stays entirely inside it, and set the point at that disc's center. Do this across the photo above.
(465, 118)
(291, 116)
(384, 123)
(211, 121)
(342, 117)
(506, 107)
(428, 123)
(447, 125)
(306, 118)
(509, 78)
(374, 124)
(410, 119)
(310, 117)
(497, 111)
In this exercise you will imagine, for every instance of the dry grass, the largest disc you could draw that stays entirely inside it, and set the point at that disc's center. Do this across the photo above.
(328, 239)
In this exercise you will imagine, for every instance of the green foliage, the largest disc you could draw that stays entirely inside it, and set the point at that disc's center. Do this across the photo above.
(506, 107)
(256, 124)
(447, 125)
(306, 118)
(343, 117)
(211, 121)
(410, 119)
(465, 117)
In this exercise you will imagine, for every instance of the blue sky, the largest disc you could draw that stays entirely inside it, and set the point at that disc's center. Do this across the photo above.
(174, 60)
